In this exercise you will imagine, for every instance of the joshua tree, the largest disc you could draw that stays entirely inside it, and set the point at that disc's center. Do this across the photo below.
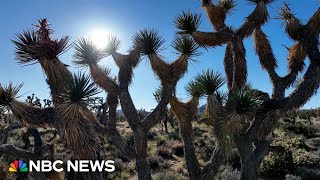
(254, 124)
(243, 119)
(228, 114)
(146, 43)
(70, 114)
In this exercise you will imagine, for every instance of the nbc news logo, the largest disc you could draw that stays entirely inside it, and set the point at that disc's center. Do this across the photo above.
(77, 166)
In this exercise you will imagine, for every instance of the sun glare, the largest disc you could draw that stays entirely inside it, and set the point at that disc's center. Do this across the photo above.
(99, 37)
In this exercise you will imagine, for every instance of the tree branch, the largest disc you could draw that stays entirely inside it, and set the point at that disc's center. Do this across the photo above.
(113, 133)
(239, 64)
(212, 39)
(33, 116)
(255, 20)
(4, 133)
(11, 150)
(160, 111)
(228, 64)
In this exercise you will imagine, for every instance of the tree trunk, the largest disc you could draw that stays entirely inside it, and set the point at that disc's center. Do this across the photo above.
(143, 168)
(191, 159)
(212, 168)
(249, 169)
(249, 165)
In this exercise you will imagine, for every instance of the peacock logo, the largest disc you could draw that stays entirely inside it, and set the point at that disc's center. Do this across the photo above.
(18, 166)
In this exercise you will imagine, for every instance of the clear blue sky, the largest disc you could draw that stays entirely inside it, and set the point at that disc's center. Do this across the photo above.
(123, 18)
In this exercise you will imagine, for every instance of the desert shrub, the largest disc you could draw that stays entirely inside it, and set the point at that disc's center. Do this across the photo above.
(121, 175)
(121, 118)
(170, 175)
(234, 160)
(309, 174)
(229, 174)
(154, 162)
(178, 149)
(301, 157)
(161, 140)
(297, 147)
(292, 177)
(277, 164)
(307, 130)
(204, 149)
(131, 167)
(174, 135)
(313, 143)
(151, 135)
(198, 131)
(118, 163)
(164, 152)
(4, 173)
(129, 140)
(124, 175)
(152, 149)
(289, 143)
(201, 142)
(292, 157)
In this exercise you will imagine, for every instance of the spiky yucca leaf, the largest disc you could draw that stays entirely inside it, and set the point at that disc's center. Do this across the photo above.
(209, 81)
(113, 44)
(148, 41)
(206, 2)
(186, 46)
(26, 47)
(243, 101)
(78, 121)
(293, 24)
(194, 89)
(79, 89)
(54, 48)
(9, 93)
(29, 47)
(187, 22)
(221, 96)
(38, 45)
(285, 13)
(227, 5)
(87, 53)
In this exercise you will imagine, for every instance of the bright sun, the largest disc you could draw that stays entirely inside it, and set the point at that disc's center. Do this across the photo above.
(99, 37)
